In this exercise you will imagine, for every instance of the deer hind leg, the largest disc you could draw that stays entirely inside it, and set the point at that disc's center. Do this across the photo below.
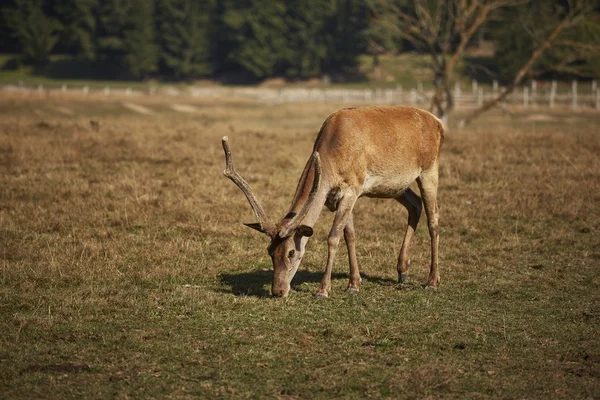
(428, 184)
(340, 221)
(349, 237)
(412, 202)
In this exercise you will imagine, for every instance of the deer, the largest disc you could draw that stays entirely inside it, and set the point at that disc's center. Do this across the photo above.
(376, 152)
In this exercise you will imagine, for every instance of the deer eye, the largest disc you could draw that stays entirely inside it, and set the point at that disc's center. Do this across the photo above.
(291, 253)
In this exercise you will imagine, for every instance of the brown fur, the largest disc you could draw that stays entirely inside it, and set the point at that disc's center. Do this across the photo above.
(370, 151)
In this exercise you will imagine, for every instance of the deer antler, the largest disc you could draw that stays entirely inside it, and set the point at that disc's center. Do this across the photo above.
(291, 226)
(265, 225)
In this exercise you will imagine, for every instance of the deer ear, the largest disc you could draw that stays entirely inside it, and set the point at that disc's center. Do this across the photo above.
(256, 226)
(304, 230)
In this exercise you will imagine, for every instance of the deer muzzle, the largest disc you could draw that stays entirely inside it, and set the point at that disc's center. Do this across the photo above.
(280, 291)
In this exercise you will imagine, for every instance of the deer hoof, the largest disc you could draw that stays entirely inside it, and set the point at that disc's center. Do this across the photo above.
(429, 287)
(351, 290)
(321, 295)
(402, 277)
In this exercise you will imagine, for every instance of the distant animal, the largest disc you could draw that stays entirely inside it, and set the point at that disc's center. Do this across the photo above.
(368, 151)
(95, 125)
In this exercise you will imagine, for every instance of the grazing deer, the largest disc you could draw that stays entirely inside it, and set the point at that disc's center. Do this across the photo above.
(370, 151)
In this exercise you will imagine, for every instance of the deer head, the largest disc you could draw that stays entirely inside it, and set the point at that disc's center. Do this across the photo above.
(289, 236)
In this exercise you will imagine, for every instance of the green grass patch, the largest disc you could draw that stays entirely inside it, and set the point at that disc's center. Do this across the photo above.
(125, 270)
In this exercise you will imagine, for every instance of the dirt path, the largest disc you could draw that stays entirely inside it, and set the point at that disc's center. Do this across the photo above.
(137, 108)
(185, 108)
(64, 111)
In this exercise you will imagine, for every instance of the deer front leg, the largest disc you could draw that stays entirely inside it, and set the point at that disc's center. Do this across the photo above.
(344, 212)
(412, 202)
(354, 284)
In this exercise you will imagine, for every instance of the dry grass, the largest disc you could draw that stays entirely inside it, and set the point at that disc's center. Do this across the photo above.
(126, 272)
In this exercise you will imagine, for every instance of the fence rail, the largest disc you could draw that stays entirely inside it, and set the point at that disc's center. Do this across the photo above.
(536, 94)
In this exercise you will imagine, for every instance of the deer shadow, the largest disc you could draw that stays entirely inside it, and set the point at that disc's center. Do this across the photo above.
(257, 283)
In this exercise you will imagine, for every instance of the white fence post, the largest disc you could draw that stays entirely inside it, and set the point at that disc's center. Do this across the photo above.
(495, 87)
(457, 94)
(574, 97)
(107, 91)
(553, 93)
(474, 87)
(526, 97)
(413, 96)
(389, 96)
(480, 97)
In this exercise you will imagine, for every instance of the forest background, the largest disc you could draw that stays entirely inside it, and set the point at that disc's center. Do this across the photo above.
(252, 40)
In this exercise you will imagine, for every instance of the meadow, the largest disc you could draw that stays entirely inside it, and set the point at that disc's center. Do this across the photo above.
(126, 271)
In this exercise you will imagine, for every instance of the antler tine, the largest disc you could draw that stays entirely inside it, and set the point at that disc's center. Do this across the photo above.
(232, 174)
(291, 226)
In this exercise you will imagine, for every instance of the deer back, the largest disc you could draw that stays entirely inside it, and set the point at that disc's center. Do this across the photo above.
(379, 150)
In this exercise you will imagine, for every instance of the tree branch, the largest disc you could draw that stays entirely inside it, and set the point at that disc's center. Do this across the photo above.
(537, 53)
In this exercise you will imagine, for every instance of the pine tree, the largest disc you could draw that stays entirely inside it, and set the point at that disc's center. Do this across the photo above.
(36, 33)
(185, 47)
(141, 52)
(125, 36)
(346, 28)
(255, 35)
(308, 38)
(78, 19)
(324, 36)
(295, 38)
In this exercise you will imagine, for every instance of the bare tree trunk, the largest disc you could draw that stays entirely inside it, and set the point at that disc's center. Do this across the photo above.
(444, 28)
(526, 69)
(485, 107)
(376, 68)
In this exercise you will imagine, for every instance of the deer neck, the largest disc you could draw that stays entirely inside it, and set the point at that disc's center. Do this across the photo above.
(314, 210)
(301, 197)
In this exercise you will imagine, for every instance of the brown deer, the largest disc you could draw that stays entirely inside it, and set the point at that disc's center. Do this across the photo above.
(370, 151)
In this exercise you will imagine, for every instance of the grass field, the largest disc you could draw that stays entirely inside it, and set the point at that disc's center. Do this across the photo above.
(126, 271)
